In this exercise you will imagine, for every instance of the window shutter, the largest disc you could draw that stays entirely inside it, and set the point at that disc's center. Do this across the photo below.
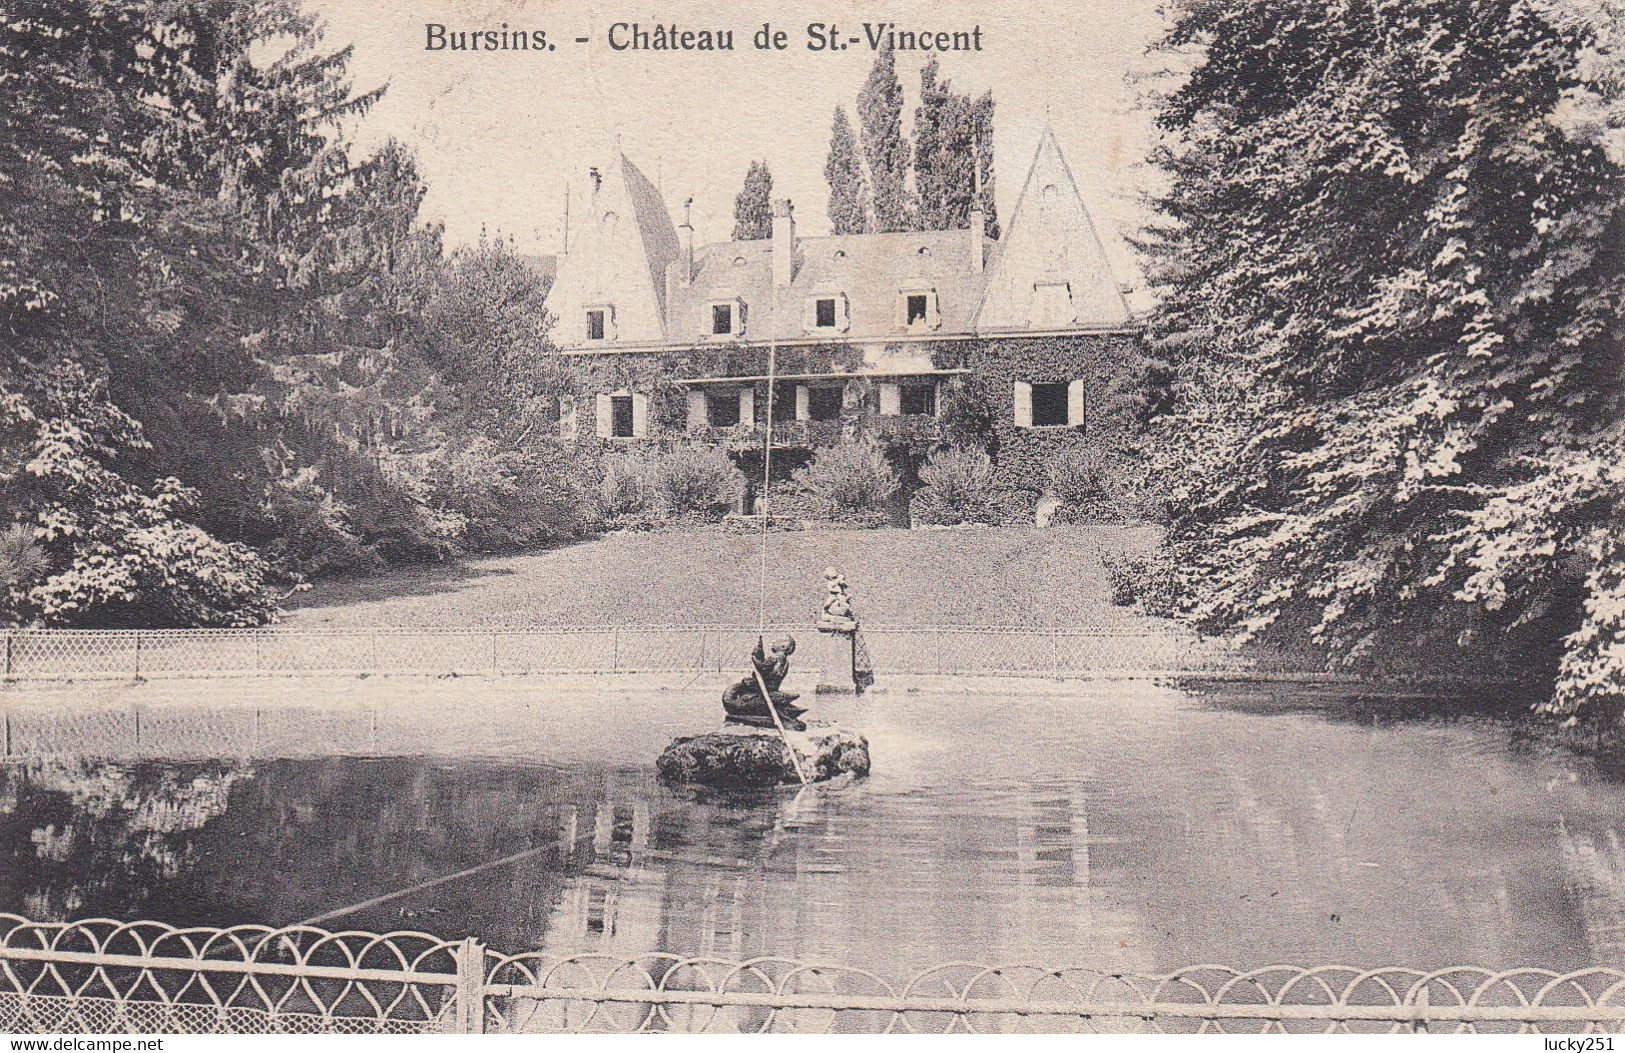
(938, 390)
(933, 311)
(604, 412)
(901, 319)
(1024, 404)
(811, 321)
(843, 308)
(891, 400)
(803, 402)
(1074, 404)
(739, 317)
(567, 417)
(640, 416)
(747, 406)
(697, 415)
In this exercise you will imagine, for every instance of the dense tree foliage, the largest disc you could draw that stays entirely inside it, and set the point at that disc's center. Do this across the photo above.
(953, 148)
(753, 206)
(849, 204)
(880, 120)
(1391, 267)
(952, 145)
(227, 348)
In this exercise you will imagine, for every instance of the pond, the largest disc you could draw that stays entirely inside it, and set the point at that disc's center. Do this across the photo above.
(1126, 826)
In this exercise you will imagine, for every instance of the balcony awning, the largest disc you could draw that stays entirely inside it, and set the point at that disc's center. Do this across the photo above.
(902, 375)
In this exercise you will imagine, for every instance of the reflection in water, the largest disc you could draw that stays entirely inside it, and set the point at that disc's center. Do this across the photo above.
(1125, 827)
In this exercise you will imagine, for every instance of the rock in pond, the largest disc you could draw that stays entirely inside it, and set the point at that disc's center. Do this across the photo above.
(741, 757)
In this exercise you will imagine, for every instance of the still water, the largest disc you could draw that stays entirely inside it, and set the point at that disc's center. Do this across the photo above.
(1123, 826)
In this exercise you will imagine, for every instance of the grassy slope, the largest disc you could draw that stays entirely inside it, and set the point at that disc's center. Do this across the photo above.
(1011, 576)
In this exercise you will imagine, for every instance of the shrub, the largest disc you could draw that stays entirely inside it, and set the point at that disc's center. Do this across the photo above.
(1146, 581)
(1093, 487)
(627, 490)
(696, 480)
(958, 488)
(690, 481)
(846, 479)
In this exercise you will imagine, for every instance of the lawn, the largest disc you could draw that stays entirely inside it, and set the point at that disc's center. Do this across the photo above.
(1004, 576)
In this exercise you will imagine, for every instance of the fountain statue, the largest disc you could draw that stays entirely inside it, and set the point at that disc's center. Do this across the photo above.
(743, 702)
(751, 749)
(836, 613)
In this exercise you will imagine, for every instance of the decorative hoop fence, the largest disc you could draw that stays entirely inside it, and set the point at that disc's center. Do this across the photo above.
(1057, 652)
(106, 976)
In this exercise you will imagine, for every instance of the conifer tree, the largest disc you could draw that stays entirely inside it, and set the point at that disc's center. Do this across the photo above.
(753, 207)
(849, 203)
(953, 136)
(1393, 417)
(880, 119)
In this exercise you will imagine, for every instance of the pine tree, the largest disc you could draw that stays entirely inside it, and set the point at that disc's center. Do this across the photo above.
(1390, 336)
(953, 137)
(753, 207)
(849, 204)
(880, 117)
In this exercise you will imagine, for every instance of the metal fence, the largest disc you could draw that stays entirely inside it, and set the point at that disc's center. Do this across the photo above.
(1077, 651)
(106, 976)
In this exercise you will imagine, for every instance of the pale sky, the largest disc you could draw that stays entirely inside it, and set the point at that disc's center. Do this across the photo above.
(499, 134)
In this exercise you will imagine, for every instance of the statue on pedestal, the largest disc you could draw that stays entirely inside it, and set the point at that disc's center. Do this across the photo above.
(743, 702)
(836, 614)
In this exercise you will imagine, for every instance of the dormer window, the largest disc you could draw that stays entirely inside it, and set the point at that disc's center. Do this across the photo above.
(725, 318)
(828, 312)
(917, 309)
(600, 323)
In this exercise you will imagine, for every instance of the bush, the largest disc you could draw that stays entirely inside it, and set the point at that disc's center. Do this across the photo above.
(503, 498)
(845, 480)
(698, 480)
(958, 488)
(1146, 581)
(690, 481)
(1093, 487)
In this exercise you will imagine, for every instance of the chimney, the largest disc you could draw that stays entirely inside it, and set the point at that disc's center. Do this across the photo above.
(685, 238)
(784, 242)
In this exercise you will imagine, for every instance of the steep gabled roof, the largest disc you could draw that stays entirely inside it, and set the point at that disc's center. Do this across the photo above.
(1050, 241)
(618, 255)
(654, 226)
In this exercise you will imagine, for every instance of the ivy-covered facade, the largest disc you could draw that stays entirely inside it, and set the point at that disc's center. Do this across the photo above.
(1023, 346)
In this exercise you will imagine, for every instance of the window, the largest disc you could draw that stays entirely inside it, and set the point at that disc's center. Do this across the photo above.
(722, 319)
(722, 409)
(824, 312)
(824, 403)
(620, 416)
(917, 309)
(920, 399)
(597, 323)
(1049, 405)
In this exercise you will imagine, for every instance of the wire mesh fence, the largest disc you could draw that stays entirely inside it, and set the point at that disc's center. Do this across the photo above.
(1074, 651)
(104, 976)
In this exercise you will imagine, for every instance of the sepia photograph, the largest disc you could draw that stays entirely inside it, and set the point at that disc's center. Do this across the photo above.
(750, 517)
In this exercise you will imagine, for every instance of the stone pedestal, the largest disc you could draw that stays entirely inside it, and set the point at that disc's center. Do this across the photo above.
(829, 657)
(736, 757)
